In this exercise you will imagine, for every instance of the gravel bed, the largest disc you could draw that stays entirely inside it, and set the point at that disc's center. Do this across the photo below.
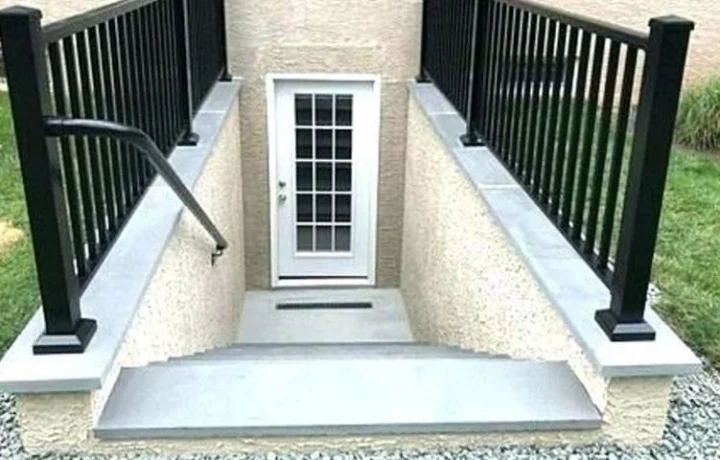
(693, 432)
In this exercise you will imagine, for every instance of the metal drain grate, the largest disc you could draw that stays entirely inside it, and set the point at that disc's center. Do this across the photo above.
(325, 306)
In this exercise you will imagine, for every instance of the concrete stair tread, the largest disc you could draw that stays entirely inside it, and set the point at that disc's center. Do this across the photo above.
(345, 397)
(394, 350)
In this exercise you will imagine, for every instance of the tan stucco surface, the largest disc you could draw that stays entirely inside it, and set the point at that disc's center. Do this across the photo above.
(189, 305)
(703, 59)
(54, 10)
(464, 284)
(328, 36)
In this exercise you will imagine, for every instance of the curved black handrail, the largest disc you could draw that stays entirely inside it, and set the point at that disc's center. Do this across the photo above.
(58, 127)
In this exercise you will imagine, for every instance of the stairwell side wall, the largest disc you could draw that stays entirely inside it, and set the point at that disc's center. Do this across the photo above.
(465, 285)
(189, 305)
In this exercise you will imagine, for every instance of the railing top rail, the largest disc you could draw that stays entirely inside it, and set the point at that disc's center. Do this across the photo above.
(597, 26)
(83, 21)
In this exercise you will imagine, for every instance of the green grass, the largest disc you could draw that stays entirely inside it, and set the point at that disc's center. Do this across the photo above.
(698, 124)
(19, 296)
(686, 263)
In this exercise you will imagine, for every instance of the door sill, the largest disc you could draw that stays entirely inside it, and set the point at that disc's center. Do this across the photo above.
(323, 282)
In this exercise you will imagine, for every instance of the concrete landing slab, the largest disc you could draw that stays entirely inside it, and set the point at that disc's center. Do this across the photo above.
(262, 322)
(345, 397)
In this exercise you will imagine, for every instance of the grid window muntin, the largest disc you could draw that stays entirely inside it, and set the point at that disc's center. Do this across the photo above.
(313, 230)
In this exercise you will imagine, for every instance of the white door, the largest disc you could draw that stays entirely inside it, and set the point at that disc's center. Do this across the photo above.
(326, 143)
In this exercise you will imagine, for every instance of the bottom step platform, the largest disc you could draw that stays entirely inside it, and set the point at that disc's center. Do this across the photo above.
(332, 396)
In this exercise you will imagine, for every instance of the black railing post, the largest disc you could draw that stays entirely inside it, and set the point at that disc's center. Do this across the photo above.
(422, 76)
(659, 99)
(226, 76)
(183, 27)
(477, 73)
(23, 45)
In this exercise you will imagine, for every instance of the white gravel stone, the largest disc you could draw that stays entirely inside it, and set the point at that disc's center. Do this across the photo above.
(693, 433)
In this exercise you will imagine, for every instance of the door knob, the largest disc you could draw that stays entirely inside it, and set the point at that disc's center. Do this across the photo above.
(282, 198)
(282, 184)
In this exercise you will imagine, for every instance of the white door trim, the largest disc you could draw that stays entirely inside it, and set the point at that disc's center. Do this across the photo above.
(270, 82)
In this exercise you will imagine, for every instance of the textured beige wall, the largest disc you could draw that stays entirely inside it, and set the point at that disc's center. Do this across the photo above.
(54, 10)
(704, 58)
(465, 285)
(324, 36)
(189, 305)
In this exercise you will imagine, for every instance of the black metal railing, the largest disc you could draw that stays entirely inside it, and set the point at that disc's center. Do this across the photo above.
(550, 93)
(447, 48)
(127, 63)
(207, 40)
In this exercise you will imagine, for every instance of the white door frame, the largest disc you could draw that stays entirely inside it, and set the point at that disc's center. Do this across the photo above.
(374, 158)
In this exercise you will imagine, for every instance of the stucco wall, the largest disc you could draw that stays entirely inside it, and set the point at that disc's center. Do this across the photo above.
(324, 36)
(54, 10)
(703, 59)
(189, 305)
(464, 284)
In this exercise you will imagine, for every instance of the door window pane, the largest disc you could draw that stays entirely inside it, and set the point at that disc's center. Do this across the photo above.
(305, 239)
(304, 172)
(324, 143)
(343, 110)
(304, 143)
(342, 239)
(305, 208)
(324, 208)
(343, 144)
(324, 177)
(303, 109)
(324, 239)
(343, 177)
(342, 208)
(323, 109)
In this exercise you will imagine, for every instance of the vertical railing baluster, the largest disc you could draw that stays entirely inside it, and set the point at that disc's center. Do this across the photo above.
(108, 72)
(475, 96)
(491, 112)
(564, 122)
(575, 132)
(621, 129)
(93, 151)
(535, 104)
(588, 140)
(103, 152)
(71, 186)
(543, 125)
(80, 152)
(602, 146)
(186, 78)
(25, 59)
(552, 131)
(518, 95)
(528, 72)
(514, 37)
(652, 142)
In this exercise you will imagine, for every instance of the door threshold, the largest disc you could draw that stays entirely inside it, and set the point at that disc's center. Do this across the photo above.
(323, 282)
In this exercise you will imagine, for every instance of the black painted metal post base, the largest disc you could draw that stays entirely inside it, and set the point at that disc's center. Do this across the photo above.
(189, 140)
(74, 343)
(226, 76)
(623, 332)
(471, 140)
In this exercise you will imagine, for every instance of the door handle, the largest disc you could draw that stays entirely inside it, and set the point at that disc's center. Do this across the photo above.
(282, 198)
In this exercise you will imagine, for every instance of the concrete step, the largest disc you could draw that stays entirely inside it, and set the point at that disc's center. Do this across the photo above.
(397, 350)
(344, 397)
